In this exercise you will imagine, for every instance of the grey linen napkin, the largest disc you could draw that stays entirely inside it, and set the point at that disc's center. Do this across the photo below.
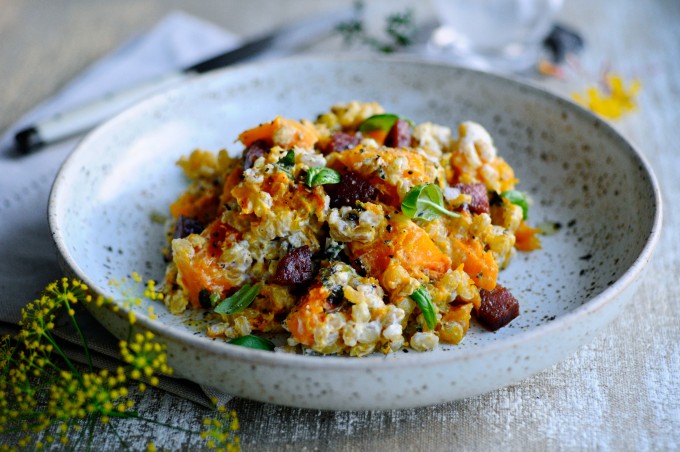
(28, 257)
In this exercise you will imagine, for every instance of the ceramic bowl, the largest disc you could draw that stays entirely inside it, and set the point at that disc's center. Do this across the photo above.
(578, 170)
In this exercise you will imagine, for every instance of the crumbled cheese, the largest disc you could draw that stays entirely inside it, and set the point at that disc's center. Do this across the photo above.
(349, 224)
(309, 159)
(432, 137)
(424, 341)
(451, 193)
(235, 262)
(242, 326)
(475, 144)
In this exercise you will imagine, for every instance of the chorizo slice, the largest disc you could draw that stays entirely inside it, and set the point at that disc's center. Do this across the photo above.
(294, 268)
(498, 308)
(340, 141)
(480, 197)
(353, 187)
(253, 152)
(399, 135)
(186, 226)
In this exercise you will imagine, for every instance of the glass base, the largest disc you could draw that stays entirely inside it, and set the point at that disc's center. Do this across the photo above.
(445, 46)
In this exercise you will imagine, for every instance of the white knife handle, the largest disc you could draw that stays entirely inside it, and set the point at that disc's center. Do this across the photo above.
(88, 115)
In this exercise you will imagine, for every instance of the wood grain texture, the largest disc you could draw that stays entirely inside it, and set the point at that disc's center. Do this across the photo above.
(621, 392)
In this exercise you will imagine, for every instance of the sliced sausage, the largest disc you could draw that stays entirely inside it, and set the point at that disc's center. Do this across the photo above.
(341, 141)
(186, 226)
(353, 187)
(480, 197)
(253, 152)
(294, 268)
(399, 135)
(498, 308)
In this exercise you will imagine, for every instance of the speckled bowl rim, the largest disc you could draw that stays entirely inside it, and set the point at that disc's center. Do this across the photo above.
(304, 362)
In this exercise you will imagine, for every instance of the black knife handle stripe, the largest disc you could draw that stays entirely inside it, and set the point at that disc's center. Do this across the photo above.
(249, 49)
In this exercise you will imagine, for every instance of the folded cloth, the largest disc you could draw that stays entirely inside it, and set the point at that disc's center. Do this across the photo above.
(29, 258)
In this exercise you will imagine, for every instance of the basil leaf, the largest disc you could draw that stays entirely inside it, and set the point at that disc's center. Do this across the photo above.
(425, 202)
(240, 300)
(214, 299)
(424, 301)
(252, 341)
(320, 175)
(383, 122)
(517, 198)
(288, 159)
(287, 163)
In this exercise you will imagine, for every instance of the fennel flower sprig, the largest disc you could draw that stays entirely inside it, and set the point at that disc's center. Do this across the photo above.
(43, 391)
(145, 358)
(219, 431)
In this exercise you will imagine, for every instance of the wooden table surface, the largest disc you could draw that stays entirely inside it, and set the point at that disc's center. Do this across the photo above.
(620, 392)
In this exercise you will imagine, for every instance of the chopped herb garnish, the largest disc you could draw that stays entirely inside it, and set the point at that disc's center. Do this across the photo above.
(424, 301)
(288, 159)
(382, 122)
(240, 300)
(517, 198)
(332, 249)
(287, 163)
(425, 202)
(214, 299)
(320, 175)
(252, 341)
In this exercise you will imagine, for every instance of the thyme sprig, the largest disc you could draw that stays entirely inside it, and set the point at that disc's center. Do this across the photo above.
(399, 27)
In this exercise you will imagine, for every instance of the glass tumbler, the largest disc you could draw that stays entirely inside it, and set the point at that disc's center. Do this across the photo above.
(498, 35)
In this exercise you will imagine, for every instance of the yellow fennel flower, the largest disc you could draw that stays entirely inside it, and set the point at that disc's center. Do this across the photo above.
(612, 102)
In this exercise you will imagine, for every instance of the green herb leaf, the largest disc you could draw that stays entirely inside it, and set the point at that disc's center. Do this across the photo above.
(214, 299)
(383, 122)
(252, 341)
(518, 199)
(287, 163)
(240, 300)
(320, 175)
(424, 301)
(333, 249)
(425, 202)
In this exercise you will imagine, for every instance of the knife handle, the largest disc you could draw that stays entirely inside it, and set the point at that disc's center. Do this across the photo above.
(85, 116)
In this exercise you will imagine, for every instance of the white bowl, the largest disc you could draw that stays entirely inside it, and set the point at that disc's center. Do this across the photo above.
(578, 170)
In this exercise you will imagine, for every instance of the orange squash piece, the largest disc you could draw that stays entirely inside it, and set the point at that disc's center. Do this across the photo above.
(526, 238)
(308, 314)
(297, 134)
(201, 270)
(480, 265)
(355, 158)
(202, 207)
(406, 242)
(229, 183)
(459, 314)
(378, 135)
